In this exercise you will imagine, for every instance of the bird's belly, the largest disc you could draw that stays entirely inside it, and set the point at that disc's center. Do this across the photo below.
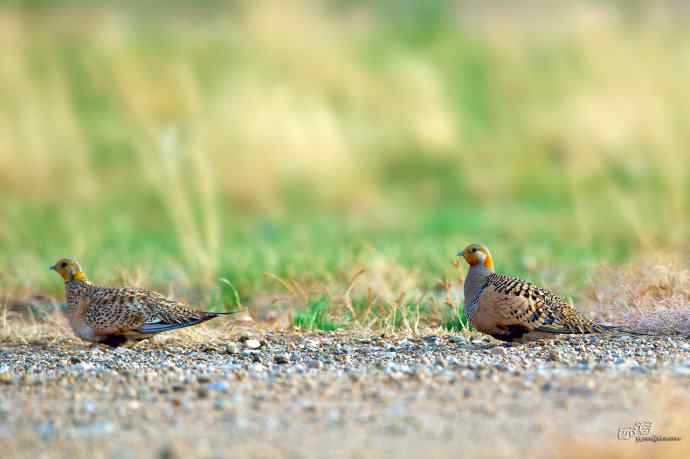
(484, 320)
(488, 321)
(83, 330)
(86, 333)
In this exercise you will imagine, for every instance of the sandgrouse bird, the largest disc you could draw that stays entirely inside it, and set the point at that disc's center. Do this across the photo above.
(510, 309)
(115, 316)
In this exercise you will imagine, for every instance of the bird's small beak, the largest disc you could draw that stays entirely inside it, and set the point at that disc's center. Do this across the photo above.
(461, 253)
(53, 268)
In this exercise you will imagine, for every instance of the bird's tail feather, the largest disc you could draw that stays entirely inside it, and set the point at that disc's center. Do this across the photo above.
(225, 313)
(155, 328)
(598, 328)
(620, 329)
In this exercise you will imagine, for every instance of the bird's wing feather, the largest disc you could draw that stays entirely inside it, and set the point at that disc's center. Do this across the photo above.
(508, 301)
(153, 328)
(124, 310)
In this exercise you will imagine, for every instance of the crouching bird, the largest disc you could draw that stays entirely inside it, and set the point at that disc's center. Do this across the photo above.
(510, 309)
(116, 316)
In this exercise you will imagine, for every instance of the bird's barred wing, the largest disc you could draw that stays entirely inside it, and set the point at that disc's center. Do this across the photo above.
(165, 314)
(507, 301)
(121, 310)
(113, 310)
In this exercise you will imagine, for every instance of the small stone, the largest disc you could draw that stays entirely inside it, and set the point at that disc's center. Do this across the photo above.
(89, 407)
(255, 356)
(232, 348)
(45, 429)
(458, 339)
(168, 452)
(498, 350)
(221, 386)
(281, 358)
(252, 343)
(317, 364)
(682, 371)
(307, 405)
(81, 367)
(247, 335)
(219, 405)
(432, 340)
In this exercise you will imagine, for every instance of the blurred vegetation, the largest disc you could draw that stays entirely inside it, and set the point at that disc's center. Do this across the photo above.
(164, 143)
(315, 316)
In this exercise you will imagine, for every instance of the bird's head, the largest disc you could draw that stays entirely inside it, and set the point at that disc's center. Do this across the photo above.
(69, 269)
(477, 255)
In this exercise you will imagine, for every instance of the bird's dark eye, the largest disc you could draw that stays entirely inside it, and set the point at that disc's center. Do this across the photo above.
(63, 264)
(474, 249)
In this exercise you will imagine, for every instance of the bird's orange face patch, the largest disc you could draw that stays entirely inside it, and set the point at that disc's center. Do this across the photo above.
(475, 254)
(69, 270)
(63, 273)
(471, 258)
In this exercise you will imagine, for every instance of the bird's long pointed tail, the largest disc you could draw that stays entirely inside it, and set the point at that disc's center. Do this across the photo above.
(225, 313)
(623, 330)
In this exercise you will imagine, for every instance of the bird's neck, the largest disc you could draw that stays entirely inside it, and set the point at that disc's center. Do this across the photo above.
(79, 276)
(473, 283)
(488, 263)
(73, 291)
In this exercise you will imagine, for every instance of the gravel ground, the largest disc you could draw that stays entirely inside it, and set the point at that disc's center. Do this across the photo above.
(341, 395)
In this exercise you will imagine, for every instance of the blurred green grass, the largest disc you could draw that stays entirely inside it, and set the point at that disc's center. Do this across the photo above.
(183, 144)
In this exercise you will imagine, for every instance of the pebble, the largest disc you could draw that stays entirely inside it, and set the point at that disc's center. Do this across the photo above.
(233, 348)
(682, 371)
(219, 405)
(555, 356)
(458, 339)
(432, 340)
(281, 358)
(45, 429)
(314, 364)
(221, 386)
(327, 379)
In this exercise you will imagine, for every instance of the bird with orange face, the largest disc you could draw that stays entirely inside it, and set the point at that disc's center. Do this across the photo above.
(511, 309)
(115, 316)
